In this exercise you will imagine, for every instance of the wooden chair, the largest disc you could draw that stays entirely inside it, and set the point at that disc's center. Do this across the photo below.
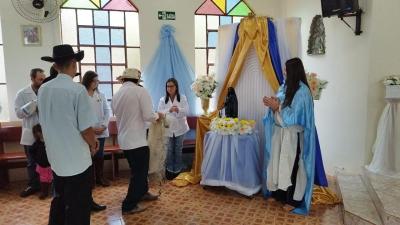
(113, 150)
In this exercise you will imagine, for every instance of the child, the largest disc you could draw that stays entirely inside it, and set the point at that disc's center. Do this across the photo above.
(43, 166)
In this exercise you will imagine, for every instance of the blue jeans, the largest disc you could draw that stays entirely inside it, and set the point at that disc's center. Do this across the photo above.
(33, 177)
(174, 154)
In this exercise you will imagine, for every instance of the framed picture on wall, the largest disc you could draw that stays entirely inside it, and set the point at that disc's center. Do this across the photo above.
(31, 35)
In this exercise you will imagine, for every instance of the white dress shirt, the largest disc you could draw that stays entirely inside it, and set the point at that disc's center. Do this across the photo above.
(64, 112)
(132, 107)
(101, 112)
(177, 121)
(25, 106)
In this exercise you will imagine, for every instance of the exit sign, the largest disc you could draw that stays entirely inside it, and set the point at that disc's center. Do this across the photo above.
(166, 15)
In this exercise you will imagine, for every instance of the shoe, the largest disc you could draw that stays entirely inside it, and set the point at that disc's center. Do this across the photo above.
(149, 197)
(170, 175)
(137, 209)
(44, 189)
(28, 191)
(97, 207)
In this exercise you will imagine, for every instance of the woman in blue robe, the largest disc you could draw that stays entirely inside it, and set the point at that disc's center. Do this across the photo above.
(289, 157)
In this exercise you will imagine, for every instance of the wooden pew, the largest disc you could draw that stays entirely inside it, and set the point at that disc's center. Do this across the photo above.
(12, 158)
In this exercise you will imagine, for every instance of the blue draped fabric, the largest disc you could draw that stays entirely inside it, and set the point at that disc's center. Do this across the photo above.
(274, 51)
(232, 161)
(236, 38)
(320, 176)
(168, 61)
(300, 112)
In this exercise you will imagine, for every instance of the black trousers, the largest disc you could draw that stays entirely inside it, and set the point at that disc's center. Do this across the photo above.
(286, 197)
(33, 176)
(138, 160)
(72, 202)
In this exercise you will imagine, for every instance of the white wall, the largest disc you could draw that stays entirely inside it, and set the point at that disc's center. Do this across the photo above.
(19, 59)
(384, 61)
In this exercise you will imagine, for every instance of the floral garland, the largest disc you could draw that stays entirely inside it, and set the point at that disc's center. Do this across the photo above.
(204, 86)
(229, 126)
(391, 80)
(316, 85)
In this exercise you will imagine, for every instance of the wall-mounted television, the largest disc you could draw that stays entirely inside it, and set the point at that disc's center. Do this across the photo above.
(338, 7)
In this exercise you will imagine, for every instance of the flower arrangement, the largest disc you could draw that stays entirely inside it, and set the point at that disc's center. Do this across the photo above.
(391, 80)
(316, 85)
(204, 86)
(229, 126)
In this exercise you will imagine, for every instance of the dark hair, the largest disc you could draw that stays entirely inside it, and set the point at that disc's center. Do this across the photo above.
(35, 71)
(178, 96)
(294, 74)
(37, 129)
(64, 63)
(88, 78)
(53, 71)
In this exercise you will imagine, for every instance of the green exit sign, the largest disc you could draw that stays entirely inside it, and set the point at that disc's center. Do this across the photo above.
(166, 15)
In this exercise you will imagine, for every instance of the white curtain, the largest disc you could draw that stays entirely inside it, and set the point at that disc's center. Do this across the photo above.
(226, 41)
(386, 160)
(288, 32)
(250, 90)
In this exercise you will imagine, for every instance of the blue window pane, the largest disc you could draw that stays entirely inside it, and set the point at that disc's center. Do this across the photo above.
(104, 73)
(230, 4)
(86, 36)
(100, 18)
(102, 55)
(106, 90)
(117, 37)
(225, 20)
(212, 39)
(102, 36)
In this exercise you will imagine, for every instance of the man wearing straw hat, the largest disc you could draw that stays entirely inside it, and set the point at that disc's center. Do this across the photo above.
(66, 117)
(133, 107)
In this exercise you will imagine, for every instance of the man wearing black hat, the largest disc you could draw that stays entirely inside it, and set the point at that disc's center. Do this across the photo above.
(66, 117)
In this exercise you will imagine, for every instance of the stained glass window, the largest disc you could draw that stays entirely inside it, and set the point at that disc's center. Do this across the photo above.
(4, 114)
(208, 17)
(108, 32)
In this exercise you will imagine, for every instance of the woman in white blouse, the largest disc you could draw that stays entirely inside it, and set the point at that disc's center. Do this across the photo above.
(102, 115)
(175, 107)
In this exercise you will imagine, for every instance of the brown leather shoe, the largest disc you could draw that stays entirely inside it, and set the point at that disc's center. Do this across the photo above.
(149, 197)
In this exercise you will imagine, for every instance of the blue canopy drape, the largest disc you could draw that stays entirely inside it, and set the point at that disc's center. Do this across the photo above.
(168, 62)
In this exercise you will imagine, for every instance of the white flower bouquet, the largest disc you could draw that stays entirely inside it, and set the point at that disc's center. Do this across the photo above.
(204, 86)
(391, 80)
(230, 126)
(316, 85)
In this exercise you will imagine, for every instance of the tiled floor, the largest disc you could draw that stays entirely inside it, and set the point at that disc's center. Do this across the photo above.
(358, 204)
(188, 205)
